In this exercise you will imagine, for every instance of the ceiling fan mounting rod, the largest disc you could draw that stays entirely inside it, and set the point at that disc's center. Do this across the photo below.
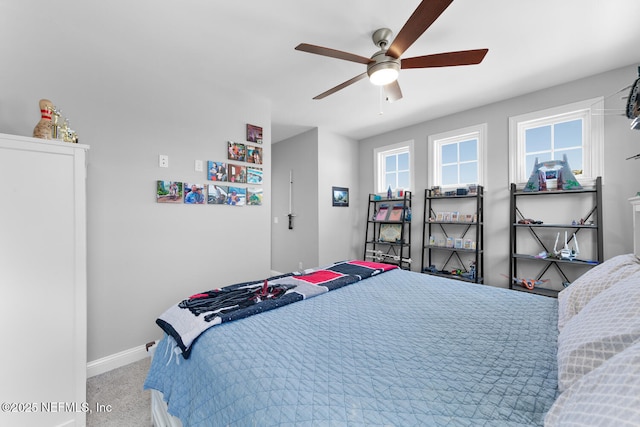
(381, 38)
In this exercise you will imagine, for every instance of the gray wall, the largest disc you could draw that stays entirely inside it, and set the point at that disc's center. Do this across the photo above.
(620, 176)
(338, 226)
(299, 246)
(322, 233)
(144, 256)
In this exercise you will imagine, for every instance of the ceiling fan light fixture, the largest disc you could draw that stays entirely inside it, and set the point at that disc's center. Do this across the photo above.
(383, 76)
(384, 71)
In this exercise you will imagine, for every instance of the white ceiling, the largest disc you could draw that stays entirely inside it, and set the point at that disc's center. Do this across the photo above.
(198, 44)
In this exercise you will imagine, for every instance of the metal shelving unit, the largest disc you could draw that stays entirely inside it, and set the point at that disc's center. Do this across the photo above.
(461, 229)
(388, 239)
(593, 223)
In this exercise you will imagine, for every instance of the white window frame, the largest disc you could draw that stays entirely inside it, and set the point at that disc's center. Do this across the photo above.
(379, 155)
(592, 133)
(436, 141)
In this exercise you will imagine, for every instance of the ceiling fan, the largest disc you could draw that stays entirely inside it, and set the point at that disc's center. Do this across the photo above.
(384, 66)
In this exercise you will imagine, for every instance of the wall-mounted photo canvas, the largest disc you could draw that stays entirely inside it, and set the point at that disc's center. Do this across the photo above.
(237, 196)
(217, 194)
(236, 151)
(193, 194)
(254, 196)
(254, 134)
(254, 175)
(340, 196)
(169, 192)
(237, 173)
(254, 154)
(217, 171)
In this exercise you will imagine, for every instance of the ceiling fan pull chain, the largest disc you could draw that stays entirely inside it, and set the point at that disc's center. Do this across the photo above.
(380, 101)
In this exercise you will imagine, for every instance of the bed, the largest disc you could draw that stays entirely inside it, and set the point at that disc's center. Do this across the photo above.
(398, 348)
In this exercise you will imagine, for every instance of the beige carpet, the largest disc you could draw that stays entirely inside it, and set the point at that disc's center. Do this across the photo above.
(130, 405)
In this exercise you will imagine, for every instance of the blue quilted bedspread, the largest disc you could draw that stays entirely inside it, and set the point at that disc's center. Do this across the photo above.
(397, 349)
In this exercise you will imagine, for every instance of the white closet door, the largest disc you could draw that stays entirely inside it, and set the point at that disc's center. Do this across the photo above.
(42, 283)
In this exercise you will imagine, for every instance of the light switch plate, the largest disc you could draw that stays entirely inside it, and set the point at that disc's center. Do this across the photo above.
(198, 165)
(163, 161)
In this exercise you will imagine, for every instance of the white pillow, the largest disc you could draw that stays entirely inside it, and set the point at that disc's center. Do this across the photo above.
(573, 299)
(607, 396)
(605, 327)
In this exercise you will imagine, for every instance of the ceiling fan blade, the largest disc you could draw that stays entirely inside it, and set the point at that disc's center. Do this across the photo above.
(421, 19)
(332, 53)
(341, 86)
(392, 91)
(448, 59)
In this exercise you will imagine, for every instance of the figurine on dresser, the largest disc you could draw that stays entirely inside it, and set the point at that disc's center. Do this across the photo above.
(44, 127)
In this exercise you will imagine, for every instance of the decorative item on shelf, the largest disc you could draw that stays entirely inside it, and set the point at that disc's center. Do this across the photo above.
(49, 125)
(43, 129)
(389, 193)
(566, 253)
(435, 190)
(527, 283)
(558, 169)
(461, 191)
(55, 127)
(391, 233)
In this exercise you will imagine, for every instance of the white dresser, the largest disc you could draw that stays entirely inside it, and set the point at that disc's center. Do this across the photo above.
(43, 285)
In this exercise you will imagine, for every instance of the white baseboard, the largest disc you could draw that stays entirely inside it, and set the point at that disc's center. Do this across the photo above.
(108, 363)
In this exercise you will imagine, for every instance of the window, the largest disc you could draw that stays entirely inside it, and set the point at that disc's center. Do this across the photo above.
(457, 157)
(572, 130)
(394, 167)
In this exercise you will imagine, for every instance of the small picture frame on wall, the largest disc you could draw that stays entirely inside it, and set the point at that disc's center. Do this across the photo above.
(237, 196)
(169, 192)
(254, 175)
(254, 196)
(217, 171)
(254, 134)
(193, 194)
(217, 194)
(340, 196)
(236, 151)
(254, 154)
(237, 173)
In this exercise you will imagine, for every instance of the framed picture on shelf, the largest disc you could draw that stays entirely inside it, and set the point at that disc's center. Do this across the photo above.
(381, 215)
(254, 134)
(390, 233)
(340, 196)
(395, 214)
